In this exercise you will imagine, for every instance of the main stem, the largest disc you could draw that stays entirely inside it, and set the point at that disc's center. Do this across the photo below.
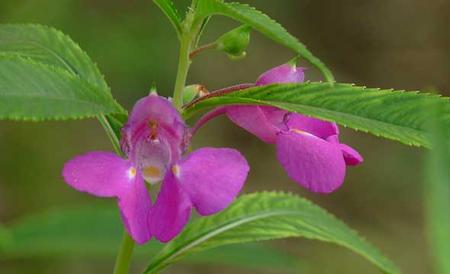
(124, 257)
(183, 67)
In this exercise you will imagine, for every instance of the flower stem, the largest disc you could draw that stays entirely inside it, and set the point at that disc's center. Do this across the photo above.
(124, 257)
(201, 49)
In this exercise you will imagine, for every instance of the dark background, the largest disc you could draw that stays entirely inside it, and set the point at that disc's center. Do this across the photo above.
(401, 44)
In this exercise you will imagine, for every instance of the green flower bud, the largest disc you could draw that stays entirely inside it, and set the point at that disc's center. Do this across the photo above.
(192, 92)
(235, 42)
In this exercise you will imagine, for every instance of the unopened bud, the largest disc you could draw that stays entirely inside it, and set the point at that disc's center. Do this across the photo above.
(235, 42)
(192, 92)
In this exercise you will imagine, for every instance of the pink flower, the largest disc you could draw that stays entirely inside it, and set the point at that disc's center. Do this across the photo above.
(307, 148)
(154, 140)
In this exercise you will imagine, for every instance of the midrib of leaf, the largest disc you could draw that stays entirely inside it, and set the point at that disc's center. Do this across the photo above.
(229, 225)
(332, 112)
(312, 111)
(213, 232)
(71, 99)
(52, 52)
(319, 234)
(102, 118)
(95, 79)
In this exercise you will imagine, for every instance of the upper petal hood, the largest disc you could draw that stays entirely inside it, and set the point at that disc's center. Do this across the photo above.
(153, 117)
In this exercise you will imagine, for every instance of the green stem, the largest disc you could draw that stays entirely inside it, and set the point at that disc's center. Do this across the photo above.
(183, 67)
(198, 50)
(124, 257)
(126, 248)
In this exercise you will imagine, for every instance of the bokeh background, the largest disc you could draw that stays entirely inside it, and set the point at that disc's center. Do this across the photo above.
(402, 44)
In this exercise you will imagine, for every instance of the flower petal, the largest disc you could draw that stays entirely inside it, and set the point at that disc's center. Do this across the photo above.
(99, 173)
(351, 156)
(316, 127)
(135, 206)
(254, 120)
(171, 211)
(212, 177)
(310, 161)
(285, 73)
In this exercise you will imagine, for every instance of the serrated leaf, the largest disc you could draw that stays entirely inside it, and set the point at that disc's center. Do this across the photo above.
(266, 216)
(33, 91)
(50, 46)
(171, 12)
(95, 232)
(391, 114)
(437, 193)
(262, 23)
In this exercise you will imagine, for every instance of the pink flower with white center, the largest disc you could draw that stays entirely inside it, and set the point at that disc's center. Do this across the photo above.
(153, 140)
(307, 148)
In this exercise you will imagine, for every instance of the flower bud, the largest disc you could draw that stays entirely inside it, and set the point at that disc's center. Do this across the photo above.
(235, 42)
(192, 92)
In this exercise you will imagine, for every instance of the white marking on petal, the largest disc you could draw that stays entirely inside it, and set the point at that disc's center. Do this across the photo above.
(298, 131)
(132, 173)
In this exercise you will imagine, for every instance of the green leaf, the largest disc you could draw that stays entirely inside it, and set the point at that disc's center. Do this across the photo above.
(95, 232)
(262, 23)
(33, 91)
(266, 216)
(437, 190)
(171, 12)
(86, 231)
(50, 46)
(395, 115)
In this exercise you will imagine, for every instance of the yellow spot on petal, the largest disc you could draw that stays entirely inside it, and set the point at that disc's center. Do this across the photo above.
(151, 172)
(176, 170)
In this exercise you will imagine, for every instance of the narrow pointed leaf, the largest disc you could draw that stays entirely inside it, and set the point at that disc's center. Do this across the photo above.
(262, 23)
(95, 231)
(437, 190)
(171, 12)
(266, 216)
(33, 91)
(396, 115)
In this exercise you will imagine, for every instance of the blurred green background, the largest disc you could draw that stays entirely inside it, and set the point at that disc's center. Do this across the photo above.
(389, 44)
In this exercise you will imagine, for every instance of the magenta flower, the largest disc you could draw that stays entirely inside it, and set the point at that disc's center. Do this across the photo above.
(153, 140)
(307, 148)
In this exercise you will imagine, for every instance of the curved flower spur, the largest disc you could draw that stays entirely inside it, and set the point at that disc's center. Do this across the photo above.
(154, 140)
(308, 149)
